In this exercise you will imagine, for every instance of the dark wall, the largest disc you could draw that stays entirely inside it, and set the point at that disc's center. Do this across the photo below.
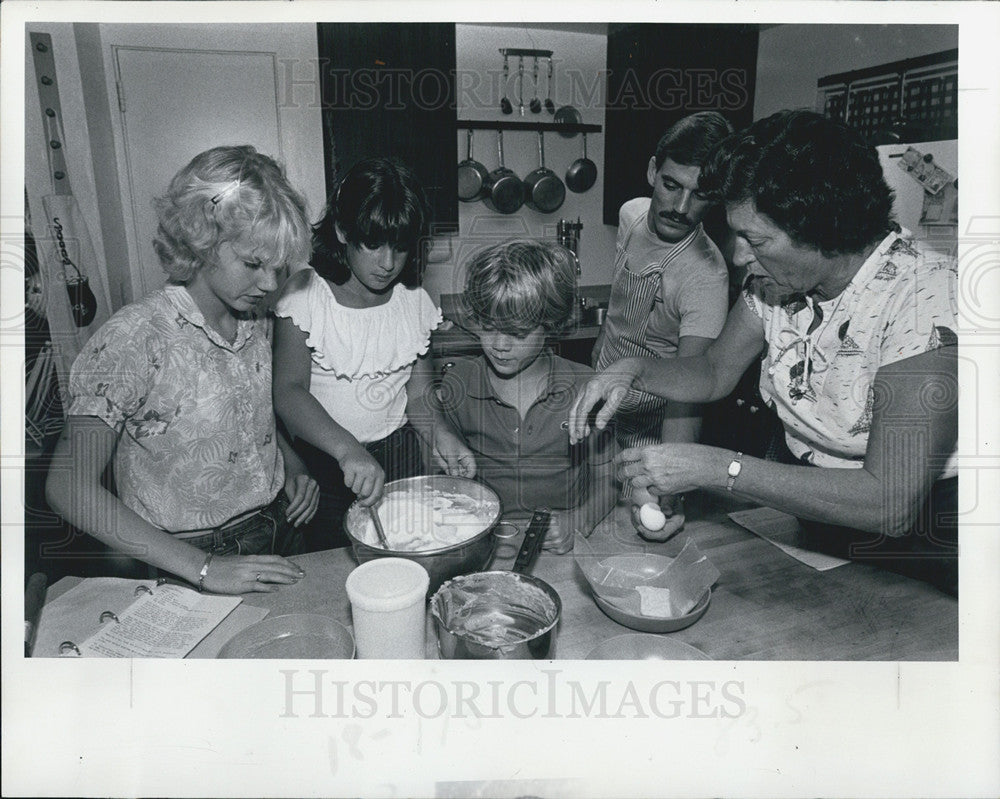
(389, 89)
(660, 73)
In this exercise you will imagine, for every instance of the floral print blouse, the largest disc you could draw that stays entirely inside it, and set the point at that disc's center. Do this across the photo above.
(197, 441)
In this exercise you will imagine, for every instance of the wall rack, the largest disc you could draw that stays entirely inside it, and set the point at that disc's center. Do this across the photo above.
(546, 127)
(514, 52)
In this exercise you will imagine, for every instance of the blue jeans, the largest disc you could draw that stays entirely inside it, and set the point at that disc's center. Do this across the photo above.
(266, 532)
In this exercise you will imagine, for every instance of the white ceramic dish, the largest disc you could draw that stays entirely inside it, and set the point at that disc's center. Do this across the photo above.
(641, 646)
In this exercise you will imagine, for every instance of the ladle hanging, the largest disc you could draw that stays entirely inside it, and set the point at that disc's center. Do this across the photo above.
(549, 105)
(505, 105)
(520, 85)
(535, 105)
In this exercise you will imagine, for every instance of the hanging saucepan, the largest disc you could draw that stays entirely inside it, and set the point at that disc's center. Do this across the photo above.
(567, 115)
(505, 191)
(582, 173)
(472, 176)
(543, 189)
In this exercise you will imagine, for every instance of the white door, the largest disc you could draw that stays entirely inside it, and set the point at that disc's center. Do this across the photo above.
(175, 103)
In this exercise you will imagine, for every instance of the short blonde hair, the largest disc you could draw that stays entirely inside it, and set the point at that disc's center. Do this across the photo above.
(517, 285)
(235, 195)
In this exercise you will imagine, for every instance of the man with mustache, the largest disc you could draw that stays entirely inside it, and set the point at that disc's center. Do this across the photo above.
(669, 291)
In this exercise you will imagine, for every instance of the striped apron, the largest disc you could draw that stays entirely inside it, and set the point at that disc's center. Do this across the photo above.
(633, 297)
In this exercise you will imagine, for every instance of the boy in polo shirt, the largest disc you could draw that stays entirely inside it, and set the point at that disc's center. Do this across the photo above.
(510, 404)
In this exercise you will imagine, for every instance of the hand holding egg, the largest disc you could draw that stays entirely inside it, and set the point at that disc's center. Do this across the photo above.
(651, 522)
(651, 517)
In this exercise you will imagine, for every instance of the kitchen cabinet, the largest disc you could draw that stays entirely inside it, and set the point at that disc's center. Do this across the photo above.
(389, 89)
(658, 74)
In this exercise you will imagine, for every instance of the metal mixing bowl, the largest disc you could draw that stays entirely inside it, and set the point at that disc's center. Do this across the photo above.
(526, 610)
(471, 555)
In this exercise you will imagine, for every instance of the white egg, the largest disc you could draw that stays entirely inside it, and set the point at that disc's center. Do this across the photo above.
(652, 517)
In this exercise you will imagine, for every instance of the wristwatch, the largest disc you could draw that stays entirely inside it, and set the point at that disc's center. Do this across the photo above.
(735, 467)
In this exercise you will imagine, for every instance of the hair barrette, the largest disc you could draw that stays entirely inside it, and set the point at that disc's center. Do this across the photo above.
(228, 190)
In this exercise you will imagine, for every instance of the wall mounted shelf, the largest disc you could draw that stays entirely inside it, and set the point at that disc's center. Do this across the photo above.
(514, 52)
(545, 127)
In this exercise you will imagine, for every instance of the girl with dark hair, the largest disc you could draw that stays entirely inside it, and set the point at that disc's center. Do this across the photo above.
(352, 373)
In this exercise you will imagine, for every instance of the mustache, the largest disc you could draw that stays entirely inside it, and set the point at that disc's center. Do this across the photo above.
(680, 219)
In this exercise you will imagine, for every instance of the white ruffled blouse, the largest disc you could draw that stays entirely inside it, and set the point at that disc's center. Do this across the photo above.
(362, 358)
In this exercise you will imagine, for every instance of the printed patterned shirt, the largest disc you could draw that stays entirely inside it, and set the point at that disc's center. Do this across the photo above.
(901, 303)
(197, 442)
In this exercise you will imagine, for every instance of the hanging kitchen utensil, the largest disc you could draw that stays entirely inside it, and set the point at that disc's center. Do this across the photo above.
(505, 105)
(505, 191)
(520, 85)
(567, 115)
(472, 175)
(543, 189)
(535, 105)
(549, 105)
(582, 173)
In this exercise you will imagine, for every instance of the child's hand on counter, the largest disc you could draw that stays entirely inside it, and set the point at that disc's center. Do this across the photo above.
(559, 539)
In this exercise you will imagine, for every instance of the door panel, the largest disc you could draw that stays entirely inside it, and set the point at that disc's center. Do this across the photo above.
(174, 104)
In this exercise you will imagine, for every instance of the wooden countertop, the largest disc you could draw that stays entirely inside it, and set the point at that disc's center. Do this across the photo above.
(765, 605)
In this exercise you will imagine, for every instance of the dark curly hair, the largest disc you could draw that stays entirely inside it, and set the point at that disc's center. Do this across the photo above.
(689, 141)
(378, 201)
(815, 178)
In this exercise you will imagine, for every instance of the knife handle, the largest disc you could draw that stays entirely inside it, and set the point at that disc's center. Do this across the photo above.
(534, 537)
